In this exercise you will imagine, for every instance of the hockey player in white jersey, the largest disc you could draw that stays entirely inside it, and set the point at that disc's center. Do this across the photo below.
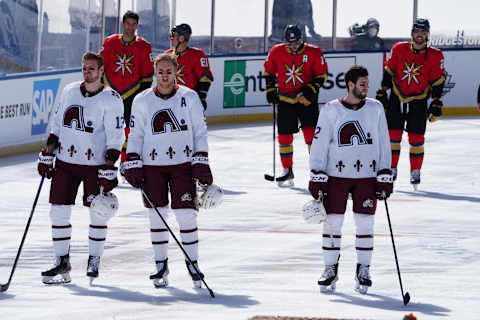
(168, 151)
(350, 155)
(84, 143)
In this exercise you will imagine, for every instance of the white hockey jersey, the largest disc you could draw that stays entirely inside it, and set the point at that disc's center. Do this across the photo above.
(351, 143)
(87, 126)
(167, 131)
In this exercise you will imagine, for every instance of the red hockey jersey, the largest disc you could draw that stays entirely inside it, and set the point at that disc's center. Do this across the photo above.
(295, 70)
(415, 72)
(127, 65)
(193, 67)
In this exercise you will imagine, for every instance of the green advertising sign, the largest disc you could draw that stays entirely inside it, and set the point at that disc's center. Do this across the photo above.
(234, 84)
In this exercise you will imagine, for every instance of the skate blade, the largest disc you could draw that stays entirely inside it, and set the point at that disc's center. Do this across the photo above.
(361, 289)
(160, 283)
(58, 279)
(328, 289)
(415, 187)
(197, 284)
(285, 184)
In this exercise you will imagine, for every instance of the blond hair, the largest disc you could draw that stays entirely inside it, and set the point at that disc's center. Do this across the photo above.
(168, 58)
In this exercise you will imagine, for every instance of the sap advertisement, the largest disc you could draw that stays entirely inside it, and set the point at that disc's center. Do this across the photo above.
(26, 107)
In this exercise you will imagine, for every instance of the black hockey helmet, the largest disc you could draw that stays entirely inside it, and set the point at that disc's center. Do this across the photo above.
(422, 24)
(182, 30)
(292, 33)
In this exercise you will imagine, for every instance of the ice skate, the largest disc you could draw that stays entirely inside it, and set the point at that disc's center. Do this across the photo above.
(327, 281)
(362, 278)
(415, 179)
(60, 273)
(286, 178)
(160, 279)
(196, 277)
(92, 267)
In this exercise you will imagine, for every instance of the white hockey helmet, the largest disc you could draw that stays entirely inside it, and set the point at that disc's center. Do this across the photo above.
(314, 212)
(211, 197)
(105, 205)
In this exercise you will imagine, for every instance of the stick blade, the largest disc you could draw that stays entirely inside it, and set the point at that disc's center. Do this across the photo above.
(406, 299)
(4, 287)
(269, 177)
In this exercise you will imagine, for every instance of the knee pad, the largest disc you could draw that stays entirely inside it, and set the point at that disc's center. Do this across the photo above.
(155, 220)
(364, 223)
(60, 214)
(186, 218)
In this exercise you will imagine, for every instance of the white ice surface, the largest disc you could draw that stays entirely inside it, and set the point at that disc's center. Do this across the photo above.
(258, 255)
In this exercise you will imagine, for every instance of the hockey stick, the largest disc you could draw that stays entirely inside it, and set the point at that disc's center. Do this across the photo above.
(4, 287)
(176, 240)
(274, 114)
(406, 296)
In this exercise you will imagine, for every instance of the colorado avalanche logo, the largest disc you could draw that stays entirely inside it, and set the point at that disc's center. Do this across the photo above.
(164, 119)
(350, 131)
(73, 118)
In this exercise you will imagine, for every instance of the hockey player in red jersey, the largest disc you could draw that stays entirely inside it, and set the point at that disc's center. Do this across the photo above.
(350, 155)
(84, 143)
(167, 153)
(294, 72)
(193, 66)
(414, 73)
(128, 66)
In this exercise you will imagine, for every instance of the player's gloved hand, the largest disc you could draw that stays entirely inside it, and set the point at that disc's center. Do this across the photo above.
(107, 177)
(308, 95)
(384, 186)
(45, 164)
(382, 97)
(318, 183)
(201, 169)
(435, 110)
(134, 170)
(272, 96)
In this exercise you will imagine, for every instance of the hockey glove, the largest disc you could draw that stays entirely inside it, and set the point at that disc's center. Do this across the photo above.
(272, 96)
(318, 184)
(134, 170)
(45, 164)
(435, 110)
(382, 97)
(201, 169)
(107, 177)
(384, 186)
(309, 94)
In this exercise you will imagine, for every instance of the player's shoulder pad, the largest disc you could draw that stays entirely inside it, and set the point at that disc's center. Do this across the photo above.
(374, 103)
(434, 51)
(401, 44)
(197, 51)
(169, 51)
(144, 93)
(112, 37)
(143, 42)
(73, 85)
(278, 47)
(112, 92)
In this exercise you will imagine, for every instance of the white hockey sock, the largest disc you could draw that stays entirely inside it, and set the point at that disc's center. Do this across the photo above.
(187, 221)
(364, 239)
(332, 238)
(61, 228)
(97, 234)
(159, 233)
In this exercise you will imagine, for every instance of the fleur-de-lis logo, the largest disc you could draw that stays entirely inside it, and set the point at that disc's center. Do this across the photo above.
(170, 152)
